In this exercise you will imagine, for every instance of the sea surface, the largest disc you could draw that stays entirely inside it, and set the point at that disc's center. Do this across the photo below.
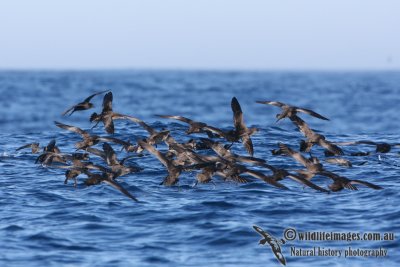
(44, 222)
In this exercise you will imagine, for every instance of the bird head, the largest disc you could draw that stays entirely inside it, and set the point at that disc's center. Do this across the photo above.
(94, 117)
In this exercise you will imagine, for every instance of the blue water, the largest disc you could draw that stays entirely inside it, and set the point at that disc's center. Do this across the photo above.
(46, 223)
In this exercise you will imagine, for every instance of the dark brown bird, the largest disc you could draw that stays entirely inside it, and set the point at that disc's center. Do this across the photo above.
(314, 138)
(50, 153)
(51, 147)
(86, 104)
(88, 140)
(126, 145)
(183, 155)
(339, 161)
(173, 170)
(194, 126)
(155, 137)
(102, 154)
(196, 145)
(340, 182)
(34, 147)
(241, 131)
(47, 158)
(228, 155)
(186, 156)
(72, 174)
(280, 174)
(78, 167)
(234, 171)
(107, 115)
(313, 165)
(381, 147)
(117, 167)
(73, 171)
(290, 111)
(232, 175)
(95, 179)
(205, 176)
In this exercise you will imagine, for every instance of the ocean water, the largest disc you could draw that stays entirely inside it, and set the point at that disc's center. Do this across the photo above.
(46, 223)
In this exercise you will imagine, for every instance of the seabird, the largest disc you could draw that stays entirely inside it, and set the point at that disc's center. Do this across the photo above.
(234, 171)
(339, 161)
(155, 137)
(340, 182)
(34, 147)
(88, 140)
(86, 104)
(73, 171)
(313, 165)
(194, 126)
(241, 131)
(117, 167)
(279, 174)
(50, 153)
(107, 115)
(381, 147)
(314, 138)
(290, 111)
(96, 178)
(173, 170)
(47, 158)
(230, 156)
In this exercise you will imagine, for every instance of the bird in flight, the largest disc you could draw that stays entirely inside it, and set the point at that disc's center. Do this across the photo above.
(273, 242)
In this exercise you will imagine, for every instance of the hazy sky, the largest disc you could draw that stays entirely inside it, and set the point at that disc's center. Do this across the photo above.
(205, 34)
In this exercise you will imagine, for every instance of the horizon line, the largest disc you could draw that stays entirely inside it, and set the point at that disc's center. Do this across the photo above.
(192, 69)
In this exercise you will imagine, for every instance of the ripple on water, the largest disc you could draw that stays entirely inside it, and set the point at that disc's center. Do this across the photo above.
(13, 228)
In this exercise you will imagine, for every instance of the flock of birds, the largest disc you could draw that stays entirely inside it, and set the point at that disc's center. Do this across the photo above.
(181, 157)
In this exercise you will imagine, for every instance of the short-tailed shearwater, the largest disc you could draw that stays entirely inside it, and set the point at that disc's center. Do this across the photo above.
(194, 126)
(173, 170)
(117, 167)
(235, 170)
(279, 174)
(155, 137)
(50, 153)
(34, 147)
(241, 131)
(314, 138)
(96, 178)
(230, 156)
(339, 161)
(381, 147)
(290, 111)
(312, 165)
(107, 115)
(340, 182)
(84, 105)
(88, 139)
